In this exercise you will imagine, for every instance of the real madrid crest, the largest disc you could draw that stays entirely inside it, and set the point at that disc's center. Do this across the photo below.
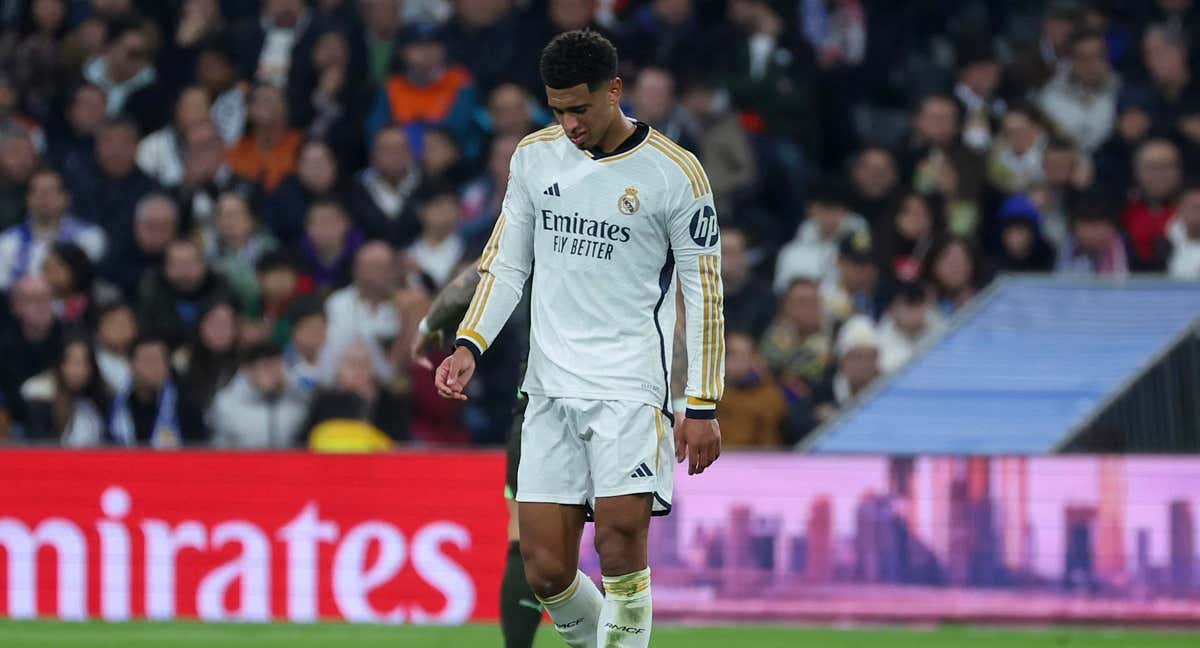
(628, 203)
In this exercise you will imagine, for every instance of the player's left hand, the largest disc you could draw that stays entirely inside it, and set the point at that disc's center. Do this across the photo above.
(698, 441)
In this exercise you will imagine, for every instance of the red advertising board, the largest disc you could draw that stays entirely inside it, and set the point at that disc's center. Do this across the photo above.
(392, 538)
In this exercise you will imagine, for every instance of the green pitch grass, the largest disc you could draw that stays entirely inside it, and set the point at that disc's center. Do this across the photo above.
(45, 634)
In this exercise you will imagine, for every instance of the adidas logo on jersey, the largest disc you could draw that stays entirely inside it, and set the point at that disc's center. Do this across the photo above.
(552, 191)
(642, 471)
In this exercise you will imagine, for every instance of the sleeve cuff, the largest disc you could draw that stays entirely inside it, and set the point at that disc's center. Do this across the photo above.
(698, 408)
(470, 345)
(701, 414)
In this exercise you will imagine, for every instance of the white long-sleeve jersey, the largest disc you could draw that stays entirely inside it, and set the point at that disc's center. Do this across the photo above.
(606, 237)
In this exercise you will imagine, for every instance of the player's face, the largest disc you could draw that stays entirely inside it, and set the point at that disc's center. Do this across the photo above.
(583, 114)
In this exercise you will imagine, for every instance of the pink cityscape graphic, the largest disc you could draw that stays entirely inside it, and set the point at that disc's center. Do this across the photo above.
(927, 539)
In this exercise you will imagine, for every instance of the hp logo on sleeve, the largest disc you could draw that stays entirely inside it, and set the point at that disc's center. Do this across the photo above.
(704, 229)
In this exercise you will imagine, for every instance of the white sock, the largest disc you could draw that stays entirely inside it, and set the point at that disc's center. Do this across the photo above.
(625, 619)
(576, 611)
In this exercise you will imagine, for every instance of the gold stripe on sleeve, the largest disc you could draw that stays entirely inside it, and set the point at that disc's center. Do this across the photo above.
(697, 171)
(656, 143)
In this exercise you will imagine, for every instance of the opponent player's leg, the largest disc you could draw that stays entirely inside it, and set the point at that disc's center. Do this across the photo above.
(550, 535)
(520, 612)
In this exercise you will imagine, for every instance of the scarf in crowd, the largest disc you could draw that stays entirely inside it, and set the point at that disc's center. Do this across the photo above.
(166, 422)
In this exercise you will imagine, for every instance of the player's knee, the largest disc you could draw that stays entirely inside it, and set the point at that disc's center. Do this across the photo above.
(546, 573)
(619, 545)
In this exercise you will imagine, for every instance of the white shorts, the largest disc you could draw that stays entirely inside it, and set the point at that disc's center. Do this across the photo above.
(575, 450)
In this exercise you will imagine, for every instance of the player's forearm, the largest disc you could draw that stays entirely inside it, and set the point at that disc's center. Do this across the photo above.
(450, 305)
(704, 303)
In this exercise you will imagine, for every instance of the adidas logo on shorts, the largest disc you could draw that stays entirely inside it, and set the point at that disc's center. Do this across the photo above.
(642, 471)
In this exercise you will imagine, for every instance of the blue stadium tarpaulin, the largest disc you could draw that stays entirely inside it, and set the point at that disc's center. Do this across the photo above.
(1021, 371)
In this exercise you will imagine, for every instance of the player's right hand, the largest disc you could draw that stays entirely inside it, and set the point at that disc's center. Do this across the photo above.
(454, 374)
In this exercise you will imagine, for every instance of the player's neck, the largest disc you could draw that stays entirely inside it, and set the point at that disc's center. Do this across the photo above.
(620, 130)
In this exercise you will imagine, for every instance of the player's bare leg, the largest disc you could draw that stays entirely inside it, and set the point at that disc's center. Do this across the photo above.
(622, 531)
(550, 535)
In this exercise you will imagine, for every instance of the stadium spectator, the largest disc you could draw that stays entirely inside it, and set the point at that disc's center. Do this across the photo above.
(349, 415)
(116, 329)
(934, 161)
(653, 99)
(511, 111)
(429, 91)
(749, 302)
(71, 148)
(1095, 247)
(1082, 100)
(259, 408)
(977, 91)
(1172, 85)
(329, 246)
(1183, 234)
(279, 286)
(492, 42)
(72, 279)
(33, 58)
(30, 341)
(267, 154)
(812, 253)
(875, 184)
(155, 224)
(753, 407)
(264, 44)
(1033, 66)
(1158, 170)
(18, 161)
(668, 34)
(216, 72)
(911, 321)
(329, 100)
(109, 191)
(206, 174)
(125, 72)
(907, 235)
(302, 354)
(723, 148)
(23, 247)
(12, 119)
(170, 298)
(1023, 245)
(379, 196)
(441, 158)
(364, 311)
(855, 289)
(1015, 161)
(234, 246)
(797, 344)
(382, 20)
(317, 176)
(955, 271)
(1066, 170)
(69, 405)
(151, 411)
(160, 155)
(439, 249)
(768, 80)
(857, 368)
(483, 196)
(1114, 159)
(208, 360)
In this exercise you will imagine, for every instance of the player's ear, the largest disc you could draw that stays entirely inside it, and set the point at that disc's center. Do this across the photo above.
(614, 90)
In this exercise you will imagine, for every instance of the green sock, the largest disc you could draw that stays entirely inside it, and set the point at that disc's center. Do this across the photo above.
(520, 612)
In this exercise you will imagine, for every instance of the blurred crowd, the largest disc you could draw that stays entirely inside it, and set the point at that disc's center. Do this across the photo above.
(222, 220)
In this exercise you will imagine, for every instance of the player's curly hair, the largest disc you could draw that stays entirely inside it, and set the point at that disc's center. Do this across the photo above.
(580, 56)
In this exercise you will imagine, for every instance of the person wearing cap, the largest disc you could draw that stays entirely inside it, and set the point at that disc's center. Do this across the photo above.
(429, 91)
(1082, 100)
(857, 367)
(812, 254)
(1023, 246)
(259, 408)
(854, 290)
